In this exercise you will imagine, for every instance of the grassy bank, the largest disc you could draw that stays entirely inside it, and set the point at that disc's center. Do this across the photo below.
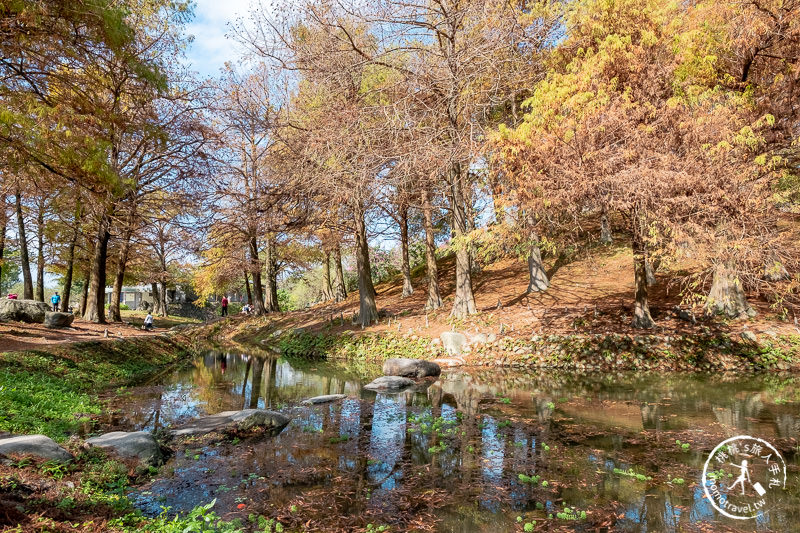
(53, 392)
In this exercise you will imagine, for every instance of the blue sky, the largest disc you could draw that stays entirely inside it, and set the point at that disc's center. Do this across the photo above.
(212, 21)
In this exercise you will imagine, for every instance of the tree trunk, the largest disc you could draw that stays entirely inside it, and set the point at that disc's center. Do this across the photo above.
(271, 295)
(432, 269)
(95, 302)
(24, 259)
(67, 287)
(727, 296)
(40, 252)
(156, 298)
(650, 269)
(327, 289)
(247, 287)
(641, 312)
(464, 301)
(368, 310)
(122, 262)
(605, 227)
(255, 270)
(536, 272)
(84, 292)
(340, 291)
(164, 306)
(408, 289)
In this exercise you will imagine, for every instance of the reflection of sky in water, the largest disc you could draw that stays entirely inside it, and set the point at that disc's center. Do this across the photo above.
(500, 453)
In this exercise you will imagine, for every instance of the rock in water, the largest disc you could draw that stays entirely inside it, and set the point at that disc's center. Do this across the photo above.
(324, 399)
(244, 420)
(390, 383)
(135, 445)
(453, 342)
(23, 310)
(410, 368)
(58, 320)
(36, 445)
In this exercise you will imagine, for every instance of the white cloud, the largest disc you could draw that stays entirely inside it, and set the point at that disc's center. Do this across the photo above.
(213, 20)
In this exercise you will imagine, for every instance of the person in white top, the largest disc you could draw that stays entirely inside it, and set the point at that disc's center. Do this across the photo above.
(148, 322)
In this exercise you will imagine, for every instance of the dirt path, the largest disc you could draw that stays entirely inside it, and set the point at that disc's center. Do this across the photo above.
(15, 336)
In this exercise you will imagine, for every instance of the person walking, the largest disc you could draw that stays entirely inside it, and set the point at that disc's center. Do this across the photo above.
(224, 306)
(55, 300)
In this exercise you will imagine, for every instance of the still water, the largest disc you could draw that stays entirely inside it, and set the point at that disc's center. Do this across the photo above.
(474, 451)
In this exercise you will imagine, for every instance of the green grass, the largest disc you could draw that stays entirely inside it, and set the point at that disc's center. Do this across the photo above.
(53, 393)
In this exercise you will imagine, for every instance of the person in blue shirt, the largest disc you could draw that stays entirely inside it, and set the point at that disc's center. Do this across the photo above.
(55, 299)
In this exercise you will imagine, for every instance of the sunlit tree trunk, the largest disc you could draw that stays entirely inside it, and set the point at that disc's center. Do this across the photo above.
(727, 297)
(339, 290)
(464, 301)
(432, 269)
(157, 307)
(95, 302)
(122, 262)
(537, 275)
(368, 309)
(327, 289)
(255, 270)
(641, 312)
(271, 295)
(408, 289)
(3, 224)
(24, 259)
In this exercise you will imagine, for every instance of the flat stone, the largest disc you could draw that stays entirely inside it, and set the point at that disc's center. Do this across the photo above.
(453, 342)
(138, 445)
(390, 383)
(58, 320)
(29, 311)
(324, 399)
(410, 368)
(39, 446)
(244, 420)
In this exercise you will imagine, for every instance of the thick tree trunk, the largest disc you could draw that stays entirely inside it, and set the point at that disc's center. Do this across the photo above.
(537, 275)
(434, 297)
(368, 309)
(727, 296)
(95, 302)
(605, 227)
(40, 252)
(650, 269)
(255, 270)
(122, 262)
(247, 287)
(340, 291)
(164, 303)
(327, 289)
(24, 259)
(271, 295)
(408, 289)
(157, 310)
(84, 291)
(641, 312)
(464, 301)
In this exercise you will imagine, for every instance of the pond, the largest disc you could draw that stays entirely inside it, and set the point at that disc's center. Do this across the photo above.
(476, 450)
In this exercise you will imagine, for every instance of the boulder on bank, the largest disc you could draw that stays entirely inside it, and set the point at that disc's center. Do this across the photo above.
(29, 311)
(138, 445)
(58, 320)
(39, 446)
(243, 420)
(410, 368)
(390, 384)
(453, 342)
(324, 399)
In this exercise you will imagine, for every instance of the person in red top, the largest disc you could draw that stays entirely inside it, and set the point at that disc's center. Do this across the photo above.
(224, 306)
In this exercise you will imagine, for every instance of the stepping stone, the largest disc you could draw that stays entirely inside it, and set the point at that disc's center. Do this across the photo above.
(243, 420)
(324, 399)
(138, 445)
(39, 446)
(390, 383)
(410, 368)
